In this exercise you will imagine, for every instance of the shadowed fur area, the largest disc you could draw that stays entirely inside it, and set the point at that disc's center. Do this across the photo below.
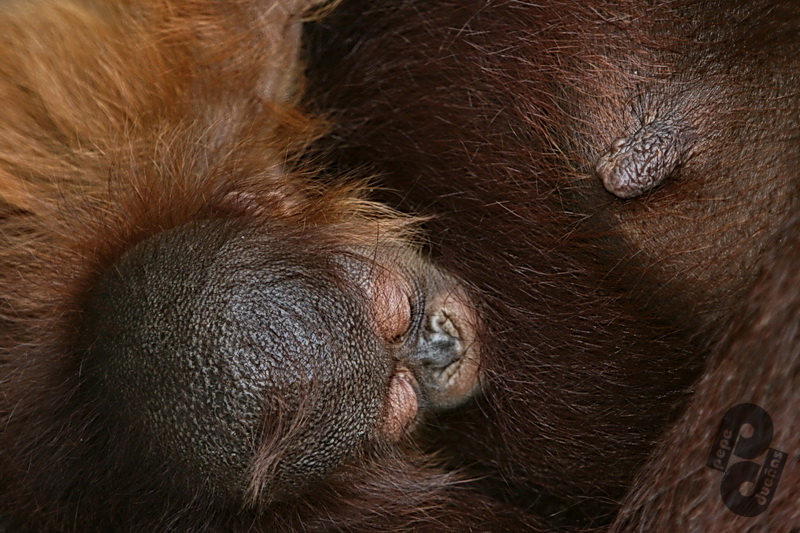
(490, 117)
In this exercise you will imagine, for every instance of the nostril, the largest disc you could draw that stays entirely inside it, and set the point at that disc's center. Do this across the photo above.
(437, 350)
(446, 356)
(440, 322)
(439, 345)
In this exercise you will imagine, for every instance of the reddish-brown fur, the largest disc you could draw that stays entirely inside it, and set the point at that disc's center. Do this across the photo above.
(122, 119)
(757, 362)
(491, 117)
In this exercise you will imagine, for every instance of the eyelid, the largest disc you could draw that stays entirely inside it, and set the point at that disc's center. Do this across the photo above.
(403, 404)
(392, 306)
(417, 306)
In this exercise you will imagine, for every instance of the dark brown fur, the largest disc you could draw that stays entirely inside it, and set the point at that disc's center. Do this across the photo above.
(491, 117)
(758, 361)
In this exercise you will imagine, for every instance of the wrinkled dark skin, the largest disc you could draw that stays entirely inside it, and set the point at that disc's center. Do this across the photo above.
(196, 334)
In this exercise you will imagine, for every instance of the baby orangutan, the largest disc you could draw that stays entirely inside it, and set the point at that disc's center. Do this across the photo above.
(196, 333)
